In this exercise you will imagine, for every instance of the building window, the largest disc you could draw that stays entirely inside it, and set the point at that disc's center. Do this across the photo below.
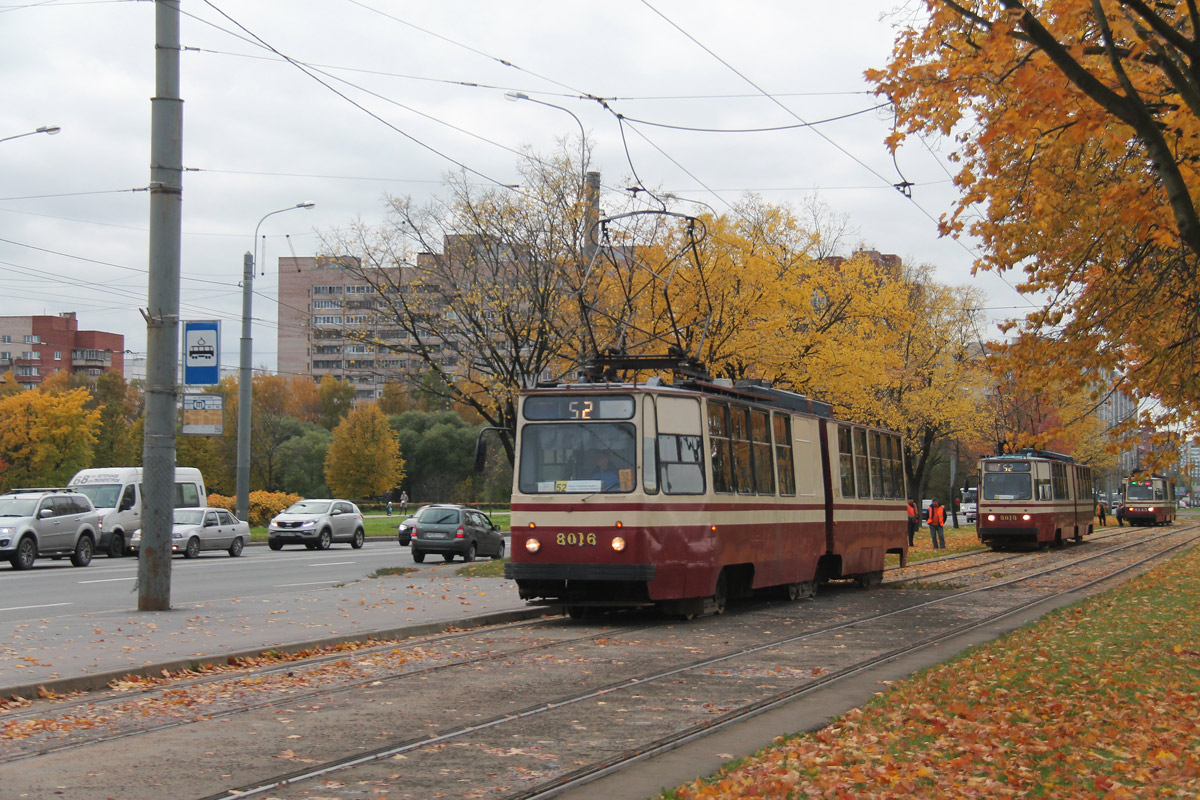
(5, 339)
(27, 372)
(5, 355)
(326, 304)
(31, 355)
(326, 320)
(32, 338)
(58, 355)
(327, 290)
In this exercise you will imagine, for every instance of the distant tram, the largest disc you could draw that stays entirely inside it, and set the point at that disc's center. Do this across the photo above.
(1034, 497)
(679, 497)
(1149, 500)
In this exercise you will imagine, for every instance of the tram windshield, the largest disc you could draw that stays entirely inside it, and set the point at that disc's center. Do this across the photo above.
(568, 457)
(1007, 486)
(1141, 492)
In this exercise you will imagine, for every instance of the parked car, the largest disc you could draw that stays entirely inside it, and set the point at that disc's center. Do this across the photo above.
(196, 529)
(404, 531)
(47, 522)
(454, 530)
(317, 524)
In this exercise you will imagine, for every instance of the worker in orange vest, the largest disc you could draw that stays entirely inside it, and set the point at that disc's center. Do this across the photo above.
(937, 519)
(914, 520)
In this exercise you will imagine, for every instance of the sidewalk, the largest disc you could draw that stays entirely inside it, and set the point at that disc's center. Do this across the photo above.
(87, 651)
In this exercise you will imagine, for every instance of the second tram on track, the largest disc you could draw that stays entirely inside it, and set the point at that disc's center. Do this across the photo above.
(1149, 499)
(679, 497)
(1034, 497)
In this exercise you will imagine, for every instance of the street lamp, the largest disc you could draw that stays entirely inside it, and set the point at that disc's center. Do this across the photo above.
(515, 96)
(244, 379)
(591, 189)
(47, 129)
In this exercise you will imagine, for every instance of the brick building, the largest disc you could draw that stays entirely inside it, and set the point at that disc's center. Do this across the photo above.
(36, 347)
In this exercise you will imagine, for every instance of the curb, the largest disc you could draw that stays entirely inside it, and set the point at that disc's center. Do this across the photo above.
(101, 680)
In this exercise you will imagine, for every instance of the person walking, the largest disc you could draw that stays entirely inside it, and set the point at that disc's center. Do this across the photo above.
(937, 521)
(389, 508)
(914, 520)
(1101, 514)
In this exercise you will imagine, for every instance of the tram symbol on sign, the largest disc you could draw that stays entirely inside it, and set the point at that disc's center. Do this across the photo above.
(201, 349)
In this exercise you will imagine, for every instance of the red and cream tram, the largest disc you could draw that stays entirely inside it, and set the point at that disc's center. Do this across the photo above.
(1149, 499)
(1034, 497)
(629, 495)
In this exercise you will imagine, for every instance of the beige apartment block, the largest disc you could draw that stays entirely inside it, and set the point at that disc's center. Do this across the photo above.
(325, 313)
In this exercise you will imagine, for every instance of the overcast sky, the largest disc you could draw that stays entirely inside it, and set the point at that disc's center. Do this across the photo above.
(422, 93)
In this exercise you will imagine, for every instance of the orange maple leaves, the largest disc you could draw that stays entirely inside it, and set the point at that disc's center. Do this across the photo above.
(1097, 700)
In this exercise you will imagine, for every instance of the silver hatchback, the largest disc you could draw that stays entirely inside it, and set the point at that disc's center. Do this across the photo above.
(452, 530)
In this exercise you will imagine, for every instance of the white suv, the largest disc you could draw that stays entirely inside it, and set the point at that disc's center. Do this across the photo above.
(47, 522)
(316, 524)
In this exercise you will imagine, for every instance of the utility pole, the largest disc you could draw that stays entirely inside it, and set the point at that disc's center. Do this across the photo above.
(591, 216)
(162, 314)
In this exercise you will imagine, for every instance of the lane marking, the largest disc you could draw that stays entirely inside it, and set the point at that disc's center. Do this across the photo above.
(283, 585)
(332, 563)
(110, 580)
(23, 608)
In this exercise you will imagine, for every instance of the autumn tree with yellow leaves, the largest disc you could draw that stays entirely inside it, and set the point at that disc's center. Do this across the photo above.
(1077, 131)
(45, 437)
(364, 457)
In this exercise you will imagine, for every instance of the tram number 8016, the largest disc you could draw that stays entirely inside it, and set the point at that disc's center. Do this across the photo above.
(575, 539)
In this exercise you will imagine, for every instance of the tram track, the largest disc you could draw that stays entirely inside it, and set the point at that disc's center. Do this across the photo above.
(424, 739)
(592, 771)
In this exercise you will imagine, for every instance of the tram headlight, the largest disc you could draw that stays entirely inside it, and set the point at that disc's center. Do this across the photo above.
(618, 543)
(532, 545)
(991, 517)
(1151, 508)
(1026, 517)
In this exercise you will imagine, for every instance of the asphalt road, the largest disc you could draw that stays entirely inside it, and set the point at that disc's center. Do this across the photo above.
(55, 588)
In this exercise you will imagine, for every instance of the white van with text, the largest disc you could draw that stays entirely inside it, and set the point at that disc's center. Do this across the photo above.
(116, 492)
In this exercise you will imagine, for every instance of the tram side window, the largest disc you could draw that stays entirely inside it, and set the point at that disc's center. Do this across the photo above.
(846, 460)
(764, 470)
(784, 463)
(876, 460)
(722, 450)
(897, 466)
(743, 465)
(1041, 483)
(861, 468)
(681, 467)
(1058, 481)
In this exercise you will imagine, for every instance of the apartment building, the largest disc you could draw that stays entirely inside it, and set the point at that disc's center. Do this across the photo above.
(329, 325)
(36, 347)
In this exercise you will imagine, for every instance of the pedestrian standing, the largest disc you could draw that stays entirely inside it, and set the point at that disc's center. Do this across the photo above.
(389, 508)
(937, 521)
(914, 520)
(1119, 512)
(404, 502)
(1101, 514)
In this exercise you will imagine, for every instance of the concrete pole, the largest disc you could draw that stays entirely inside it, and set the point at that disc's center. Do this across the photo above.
(591, 216)
(245, 383)
(162, 315)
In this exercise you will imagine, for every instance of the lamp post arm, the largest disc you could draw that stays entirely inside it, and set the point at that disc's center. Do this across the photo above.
(47, 129)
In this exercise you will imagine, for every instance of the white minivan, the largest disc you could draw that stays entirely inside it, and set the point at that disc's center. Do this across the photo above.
(116, 492)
